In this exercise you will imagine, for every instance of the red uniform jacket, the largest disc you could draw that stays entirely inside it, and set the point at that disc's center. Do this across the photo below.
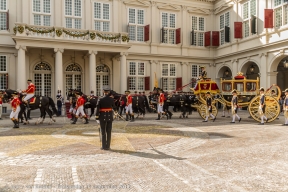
(129, 100)
(161, 99)
(80, 102)
(31, 89)
(15, 103)
(0, 100)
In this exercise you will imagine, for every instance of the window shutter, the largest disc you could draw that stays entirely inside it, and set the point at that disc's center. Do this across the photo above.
(128, 83)
(268, 18)
(179, 83)
(207, 38)
(7, 81)
(147, 83)
(162, 34)
(146, 32)
(237, 29)
(7, 20)
(162, 83)
(192, 37)
(215, 38)
(128, 29)
(253, 25)
(227, 34)
(178, 36)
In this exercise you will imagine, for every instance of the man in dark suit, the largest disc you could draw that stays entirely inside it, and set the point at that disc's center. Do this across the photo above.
(104, 114)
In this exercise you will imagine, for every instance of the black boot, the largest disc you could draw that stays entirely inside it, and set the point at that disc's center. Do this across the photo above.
(86, 120)
(132, 118)
(126, 117)
(72, 117)
(28, 106)
(16, 124)
(167, 115)
(74, 121)
(158, 117)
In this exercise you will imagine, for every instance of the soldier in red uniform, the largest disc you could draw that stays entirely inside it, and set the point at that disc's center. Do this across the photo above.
(30, 92)
(129, 106)
(160, 105)
(80, 107)
(15, 105)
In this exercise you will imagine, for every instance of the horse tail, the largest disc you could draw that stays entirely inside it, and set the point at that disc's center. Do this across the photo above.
(147, 104)
(52, 104)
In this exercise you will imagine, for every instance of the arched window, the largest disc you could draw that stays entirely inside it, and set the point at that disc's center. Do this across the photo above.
(73, 77)
(43, 79)
(102, 78)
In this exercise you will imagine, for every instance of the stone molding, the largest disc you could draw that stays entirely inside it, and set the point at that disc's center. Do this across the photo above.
(59, 49)
(21, 47)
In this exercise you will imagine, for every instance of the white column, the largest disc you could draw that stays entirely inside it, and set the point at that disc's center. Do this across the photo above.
(123, 73)
(92, 70)
(263, 72)
(59, 70)
(235, 69)
(21, 67)
(116, 74)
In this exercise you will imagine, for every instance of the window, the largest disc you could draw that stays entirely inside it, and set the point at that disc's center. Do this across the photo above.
(198, 25)
(169, 25)
(43, 79)
(227, 87)
(73, 77)
(224, 21)
(102, 16)
(169, 76)
(3, 15)
(136, 24)
(42, 12)
(136, 79)
(3, 72)
(73, 14)
(195, 73)
(248, 10)
(280, 12)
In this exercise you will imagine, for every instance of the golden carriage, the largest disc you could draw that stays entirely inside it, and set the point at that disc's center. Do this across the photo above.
(248, 96)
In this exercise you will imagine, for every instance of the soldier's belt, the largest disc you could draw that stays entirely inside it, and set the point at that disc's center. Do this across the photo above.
(105, 109)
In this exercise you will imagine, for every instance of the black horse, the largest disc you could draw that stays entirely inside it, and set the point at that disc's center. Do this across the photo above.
(139, 104)
(41, 102)
(183, 102)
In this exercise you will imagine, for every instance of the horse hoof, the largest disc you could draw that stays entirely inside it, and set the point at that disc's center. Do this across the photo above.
(24, 123)
(186, 117)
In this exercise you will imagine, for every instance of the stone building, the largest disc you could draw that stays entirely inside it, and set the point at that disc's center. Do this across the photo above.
(62, 44)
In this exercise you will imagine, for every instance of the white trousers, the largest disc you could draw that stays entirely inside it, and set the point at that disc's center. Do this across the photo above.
(129, 109)
(14, 114)
(160, 108)
(80, 110)
(72, 110)
(28, 96)
(235, 115)
(0, 111)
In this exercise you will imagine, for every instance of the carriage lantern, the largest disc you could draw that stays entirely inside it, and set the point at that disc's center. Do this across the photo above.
(252, 68)
(285, 63)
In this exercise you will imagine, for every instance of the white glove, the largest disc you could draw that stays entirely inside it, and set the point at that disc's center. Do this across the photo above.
(97, 121)
(0, 105)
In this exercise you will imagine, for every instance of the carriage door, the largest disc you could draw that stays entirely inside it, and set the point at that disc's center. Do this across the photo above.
(43, 79)
(102, 78)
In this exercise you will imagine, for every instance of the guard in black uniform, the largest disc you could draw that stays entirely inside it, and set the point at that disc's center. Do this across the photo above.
(104, 113)
(209, 107)
(59, 102)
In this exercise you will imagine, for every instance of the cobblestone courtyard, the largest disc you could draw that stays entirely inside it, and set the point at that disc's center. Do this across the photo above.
(147, 155)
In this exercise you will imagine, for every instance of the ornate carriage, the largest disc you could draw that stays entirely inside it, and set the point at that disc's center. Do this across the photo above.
(248, 96)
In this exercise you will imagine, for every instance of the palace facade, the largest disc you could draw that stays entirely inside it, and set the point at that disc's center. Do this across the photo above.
(130, 44)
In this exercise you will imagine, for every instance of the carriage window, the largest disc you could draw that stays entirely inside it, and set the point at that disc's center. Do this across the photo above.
(250, 86)
(239, 86)
(226, 87)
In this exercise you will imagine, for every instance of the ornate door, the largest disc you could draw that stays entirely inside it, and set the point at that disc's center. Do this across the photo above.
(102, 78)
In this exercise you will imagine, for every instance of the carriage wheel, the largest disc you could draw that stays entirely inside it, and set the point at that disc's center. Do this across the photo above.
(202, 111)
(272, 109)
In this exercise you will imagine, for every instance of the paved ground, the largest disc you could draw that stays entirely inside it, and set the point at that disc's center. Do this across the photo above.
(147, 155)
